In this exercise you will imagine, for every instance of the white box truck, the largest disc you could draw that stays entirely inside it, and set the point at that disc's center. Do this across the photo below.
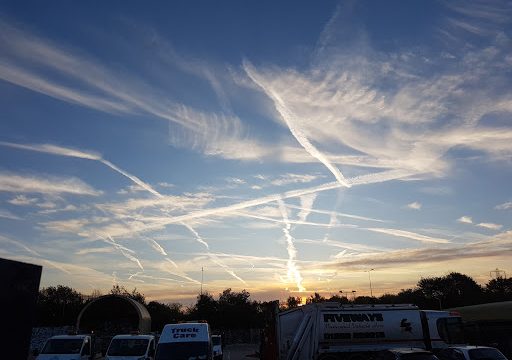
(334, 331)
(185, 341)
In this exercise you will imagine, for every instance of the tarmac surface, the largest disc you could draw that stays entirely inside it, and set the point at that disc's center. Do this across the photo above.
(231, 352)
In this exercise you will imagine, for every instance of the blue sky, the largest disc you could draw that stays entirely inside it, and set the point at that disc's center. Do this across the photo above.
(285, 148)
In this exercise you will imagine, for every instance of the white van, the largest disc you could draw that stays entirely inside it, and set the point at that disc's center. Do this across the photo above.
(188, 341)
(67, 347)
(131, 347)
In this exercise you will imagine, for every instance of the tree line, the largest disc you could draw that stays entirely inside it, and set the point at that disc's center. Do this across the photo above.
(60, 305)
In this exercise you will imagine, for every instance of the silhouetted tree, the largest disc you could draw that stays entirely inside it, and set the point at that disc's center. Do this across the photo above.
(162, 314)
(454, 289)
(315, 298)
(339, 298)
(236, 310)
(57, 306)
(205, 309)
(135, 295)
(499, 289)
(293, 302)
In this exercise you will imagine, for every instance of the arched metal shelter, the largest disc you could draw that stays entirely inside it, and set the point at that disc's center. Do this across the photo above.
(113, 314)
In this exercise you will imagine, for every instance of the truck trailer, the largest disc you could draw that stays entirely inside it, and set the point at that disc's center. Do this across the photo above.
(331, 330)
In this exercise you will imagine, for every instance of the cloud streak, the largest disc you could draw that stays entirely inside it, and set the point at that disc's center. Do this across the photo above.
(289, 117)
(10, 182)
(293, 271)
(68, 152)
(409, 235)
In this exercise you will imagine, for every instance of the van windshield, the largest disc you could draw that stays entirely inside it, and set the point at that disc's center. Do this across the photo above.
(62, 346)
(196, 350)
(128, 347)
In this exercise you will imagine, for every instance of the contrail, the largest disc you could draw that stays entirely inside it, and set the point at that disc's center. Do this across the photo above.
(125, 251)
(63, 151)
(293, 271)
(155, 245)
(359, 180)
(294, 222)
(226, 268)
(409, 235)
(33, 252)
(333, 219)
(306, 202)
(356, 217)
(165, 268)
(299, 135)
(196, 234)
(212, 257)
(136, 274)
(172, 262)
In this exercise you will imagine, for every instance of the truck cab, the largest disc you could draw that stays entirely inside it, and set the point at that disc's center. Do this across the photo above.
(131, 347)
(67, 347)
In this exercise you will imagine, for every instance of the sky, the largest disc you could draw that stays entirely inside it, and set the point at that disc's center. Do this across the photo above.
(284, 147)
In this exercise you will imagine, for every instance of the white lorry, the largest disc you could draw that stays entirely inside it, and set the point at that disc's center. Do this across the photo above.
(334, 331)
(185, 341)
(131, 347)
(68, 347)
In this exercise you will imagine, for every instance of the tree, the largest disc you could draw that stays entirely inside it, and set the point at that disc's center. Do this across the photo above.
(339, 298)
(236, 310)
(135, 295)
(162, 314)
(315, 298)
(205, 309)
(58, 306)
(293, 302)
(454, 289)
(499, 289)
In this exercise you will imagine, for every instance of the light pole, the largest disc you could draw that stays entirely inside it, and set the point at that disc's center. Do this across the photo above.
(370, 278)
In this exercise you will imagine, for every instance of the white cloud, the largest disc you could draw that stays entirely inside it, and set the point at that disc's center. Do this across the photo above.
(86, 82)
(22, 200)
(306, 203)
(292, 120)
(236, 181)
(490, 226)
(414, 205)
(10, 182)
(64, 151)
(504, 206)
(287, 179)
(6, 214)
(465, 220)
